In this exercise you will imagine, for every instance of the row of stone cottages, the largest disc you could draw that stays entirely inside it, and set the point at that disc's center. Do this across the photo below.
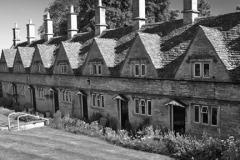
(181, 74)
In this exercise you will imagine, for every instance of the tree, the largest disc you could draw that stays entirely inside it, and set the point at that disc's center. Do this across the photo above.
(118, 13)
(238, 8)
(204, 8)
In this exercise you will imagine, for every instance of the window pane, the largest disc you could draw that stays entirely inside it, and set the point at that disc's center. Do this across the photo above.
(93, 99)
(149, 108)
(136, 70)
(205, 118)
(143, 69)
(102, 101)
(206, 70)
(197, 110)
(197, 70)
(136, 106)
(98, 100)
(143, 106)
(94, 69)
(99, 69)
(214, 116)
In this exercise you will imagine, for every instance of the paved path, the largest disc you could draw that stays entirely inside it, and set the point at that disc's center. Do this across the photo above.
(48, 144)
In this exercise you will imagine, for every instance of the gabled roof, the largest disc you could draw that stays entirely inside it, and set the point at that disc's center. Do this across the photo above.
(26, 54)
(36, 42)
(72, 51)
(217, 40)
(47, 54)
(152, 44)
(107, 49)
(9, 55)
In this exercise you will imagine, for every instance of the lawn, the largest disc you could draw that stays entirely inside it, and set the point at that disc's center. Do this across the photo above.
(47, 143)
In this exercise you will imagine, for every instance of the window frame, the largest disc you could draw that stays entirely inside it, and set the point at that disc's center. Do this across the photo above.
(199, 113)
(141, 106)
(143, 75)
(194, 69)
(135, 68)
(136, 105)
(148, 107)
(207, 113)
(63, 68)
(212, 116)
(203, 70)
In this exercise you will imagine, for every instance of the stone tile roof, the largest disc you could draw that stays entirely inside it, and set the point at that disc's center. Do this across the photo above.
(72, 51)
(36, 42)
(9, 55)
(47, 54)
(152, 44)
(56, 40)
(26, 54)
(107, 49)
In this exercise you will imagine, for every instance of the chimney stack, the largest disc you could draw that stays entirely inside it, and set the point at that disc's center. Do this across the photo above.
(100, 18)
(72, 22)
(48, 27)
(16, 34)
(138, 14)
(190, 11)
(30, 31)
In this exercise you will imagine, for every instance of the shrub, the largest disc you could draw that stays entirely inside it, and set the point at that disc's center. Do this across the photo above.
(95, 117)
(156, 140)
(6, 102)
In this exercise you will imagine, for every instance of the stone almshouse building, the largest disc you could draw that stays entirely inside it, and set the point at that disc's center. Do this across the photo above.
(182, 74)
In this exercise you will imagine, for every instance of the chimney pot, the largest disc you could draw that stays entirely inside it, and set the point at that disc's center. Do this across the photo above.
(71, 9)
(48, 27)
(138, 14)
(100, 18)
(190, 11)
(72, 23)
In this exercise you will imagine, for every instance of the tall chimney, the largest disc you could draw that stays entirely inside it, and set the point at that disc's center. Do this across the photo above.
(190, 11)
(16, 34)
(100, 18)
(30, 31)
(138, 14)
(72, 22)
(48, 27)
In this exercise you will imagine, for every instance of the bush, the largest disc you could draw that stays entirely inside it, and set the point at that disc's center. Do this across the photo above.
(6, 102)
(95, 117)
(155, 140)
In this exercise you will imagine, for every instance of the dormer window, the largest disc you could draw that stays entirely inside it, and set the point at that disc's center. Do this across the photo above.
(96, 69)
(38, 68)
(18, 67)
(201, 70)
(139, 69)
(63, 69)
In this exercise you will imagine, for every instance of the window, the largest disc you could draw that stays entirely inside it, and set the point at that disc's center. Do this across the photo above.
(63, 68)
(136, 69)
(38, 68)
(143, 69)
(93, 100)
(149, 108)
(204, 112)
(143, 107)
(214, 116)
(197, 114)
(40, 93)
(21, 90)
(18, 67)
(139, 69)
(201, 69)
(66, 96)
(96, 69)
(98, 100)
(206, 70)
(136, 105)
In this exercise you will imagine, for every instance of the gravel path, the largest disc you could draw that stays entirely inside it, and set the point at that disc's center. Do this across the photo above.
(48, 144)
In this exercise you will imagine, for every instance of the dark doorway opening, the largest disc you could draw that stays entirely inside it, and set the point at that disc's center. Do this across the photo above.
(33, 96)
(1, 92)
(124, 114)
(179, 119)
(85, 107)
(55, 99)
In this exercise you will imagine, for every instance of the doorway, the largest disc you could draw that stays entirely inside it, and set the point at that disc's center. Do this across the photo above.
(123, 113)
(33, 96)
(55, 99)
(83, 105)
(178, 117)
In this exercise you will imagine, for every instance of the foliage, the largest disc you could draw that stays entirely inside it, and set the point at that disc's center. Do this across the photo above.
(156, 141)
(95, 117)
(6, 102)
(118, 13)
(204, 8)
(238, 8)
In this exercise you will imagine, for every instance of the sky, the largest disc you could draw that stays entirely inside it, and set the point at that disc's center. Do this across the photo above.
(21, 11)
